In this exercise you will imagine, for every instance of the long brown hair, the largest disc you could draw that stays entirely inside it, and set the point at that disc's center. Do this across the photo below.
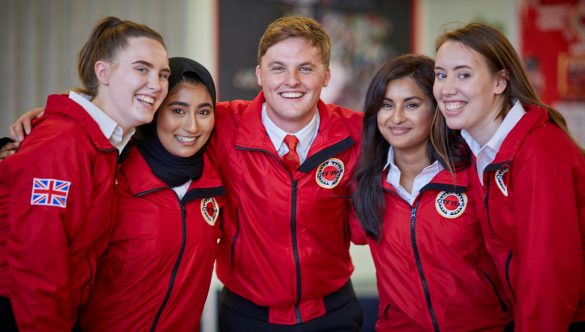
(368, 198)
(499, 55)
(109, 35)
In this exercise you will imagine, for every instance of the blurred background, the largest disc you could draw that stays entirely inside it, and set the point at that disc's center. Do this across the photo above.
(40, 40)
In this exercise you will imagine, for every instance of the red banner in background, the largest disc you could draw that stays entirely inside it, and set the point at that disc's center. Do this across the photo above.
(552, 35)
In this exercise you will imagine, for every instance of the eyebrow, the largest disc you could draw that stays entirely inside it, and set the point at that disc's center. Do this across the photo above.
(182, 103)
(150, 65)
(456, 68)
(406, 99)
(283, 64)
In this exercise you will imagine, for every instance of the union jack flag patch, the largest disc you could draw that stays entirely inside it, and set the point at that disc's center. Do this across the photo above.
(50, 192)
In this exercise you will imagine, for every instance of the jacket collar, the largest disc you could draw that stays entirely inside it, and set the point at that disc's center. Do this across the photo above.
(142, 181)
(535, 116)
(332, 133)
(443, 181)
(62, 105)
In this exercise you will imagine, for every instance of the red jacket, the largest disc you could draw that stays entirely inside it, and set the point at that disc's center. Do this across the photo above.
(156, 272)
(432, 268)
(535, 199)
(285, 239)
(52, 232)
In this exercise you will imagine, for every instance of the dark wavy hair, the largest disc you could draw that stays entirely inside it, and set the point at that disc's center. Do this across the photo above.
(368, 198)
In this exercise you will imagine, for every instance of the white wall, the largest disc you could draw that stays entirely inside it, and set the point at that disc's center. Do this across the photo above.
(433, 16)
(41, 39)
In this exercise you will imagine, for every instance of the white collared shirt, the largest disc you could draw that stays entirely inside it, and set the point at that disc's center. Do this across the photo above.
(306, 135)
(182, 189)
(421, 180)
(485, 155)
(108, 126)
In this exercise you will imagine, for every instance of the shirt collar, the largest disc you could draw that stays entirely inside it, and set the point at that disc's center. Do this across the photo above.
(110, 128)
(494, 144)
(305, 135)
(421, 180)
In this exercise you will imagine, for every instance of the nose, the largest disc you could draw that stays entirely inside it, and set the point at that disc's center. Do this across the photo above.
(190, 124)
(397, 116)
(447, 86)
(292, 78)
(155, 82)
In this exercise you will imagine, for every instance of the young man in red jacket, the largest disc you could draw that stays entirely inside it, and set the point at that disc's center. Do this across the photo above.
(284, 256)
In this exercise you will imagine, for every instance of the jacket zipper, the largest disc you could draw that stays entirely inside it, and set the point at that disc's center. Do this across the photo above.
(504, 307)
(234, 240)
(508, 261)
(419, 265)
(176, 266)
(293, 226)
(486, 203)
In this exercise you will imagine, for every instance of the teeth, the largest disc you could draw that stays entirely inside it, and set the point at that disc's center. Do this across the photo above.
(292, 94)
(186, 139)
(454, 106)
(145, 99)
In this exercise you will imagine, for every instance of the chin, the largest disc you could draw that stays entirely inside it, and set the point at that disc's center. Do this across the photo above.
(455, 125)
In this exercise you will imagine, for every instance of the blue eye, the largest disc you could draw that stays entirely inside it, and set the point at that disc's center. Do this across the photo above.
(440, 76)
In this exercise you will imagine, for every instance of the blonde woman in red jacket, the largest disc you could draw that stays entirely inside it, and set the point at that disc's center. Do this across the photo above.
(531, 175)
(56, 193)
(432, 267)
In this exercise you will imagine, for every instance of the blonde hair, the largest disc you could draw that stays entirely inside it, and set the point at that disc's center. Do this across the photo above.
(296, 26)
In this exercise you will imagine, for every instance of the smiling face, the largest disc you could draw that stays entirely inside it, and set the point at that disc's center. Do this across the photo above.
(135, 83)
(292, 74)
(405, 117)
(185, 119)
(468, 94)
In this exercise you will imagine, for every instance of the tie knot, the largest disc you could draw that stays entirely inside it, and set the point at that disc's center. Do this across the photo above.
(291, 142)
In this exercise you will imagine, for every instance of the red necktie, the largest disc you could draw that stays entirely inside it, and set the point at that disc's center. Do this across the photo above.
(291, 158)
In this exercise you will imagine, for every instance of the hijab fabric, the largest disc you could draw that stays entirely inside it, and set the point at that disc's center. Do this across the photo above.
(173, 170)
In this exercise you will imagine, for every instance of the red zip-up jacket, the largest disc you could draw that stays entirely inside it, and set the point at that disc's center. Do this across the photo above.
(285, 241)
(432, 267)
(157, 269)
(54, 228)
(535, 226)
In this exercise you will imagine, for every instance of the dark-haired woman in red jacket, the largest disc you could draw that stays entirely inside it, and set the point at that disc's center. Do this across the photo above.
(432, 267)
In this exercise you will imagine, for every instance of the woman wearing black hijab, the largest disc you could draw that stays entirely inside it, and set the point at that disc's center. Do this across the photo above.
(156, 272)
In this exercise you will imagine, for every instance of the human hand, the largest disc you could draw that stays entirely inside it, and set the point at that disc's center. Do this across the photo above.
(7, 149)
(23, 125)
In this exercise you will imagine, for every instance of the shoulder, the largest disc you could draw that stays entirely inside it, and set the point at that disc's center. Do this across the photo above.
(348, 118)
(55, 143)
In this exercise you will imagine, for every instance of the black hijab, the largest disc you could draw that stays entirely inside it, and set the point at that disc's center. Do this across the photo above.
(173, 170)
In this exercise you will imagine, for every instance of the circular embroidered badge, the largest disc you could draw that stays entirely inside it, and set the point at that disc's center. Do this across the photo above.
(209, 210)
(329, 173)
(500, 181)
(450, 205)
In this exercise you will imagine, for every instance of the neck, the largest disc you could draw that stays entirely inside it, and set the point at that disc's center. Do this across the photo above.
(99, 102)
(483, 132)
(411, 164)
(291, 126)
